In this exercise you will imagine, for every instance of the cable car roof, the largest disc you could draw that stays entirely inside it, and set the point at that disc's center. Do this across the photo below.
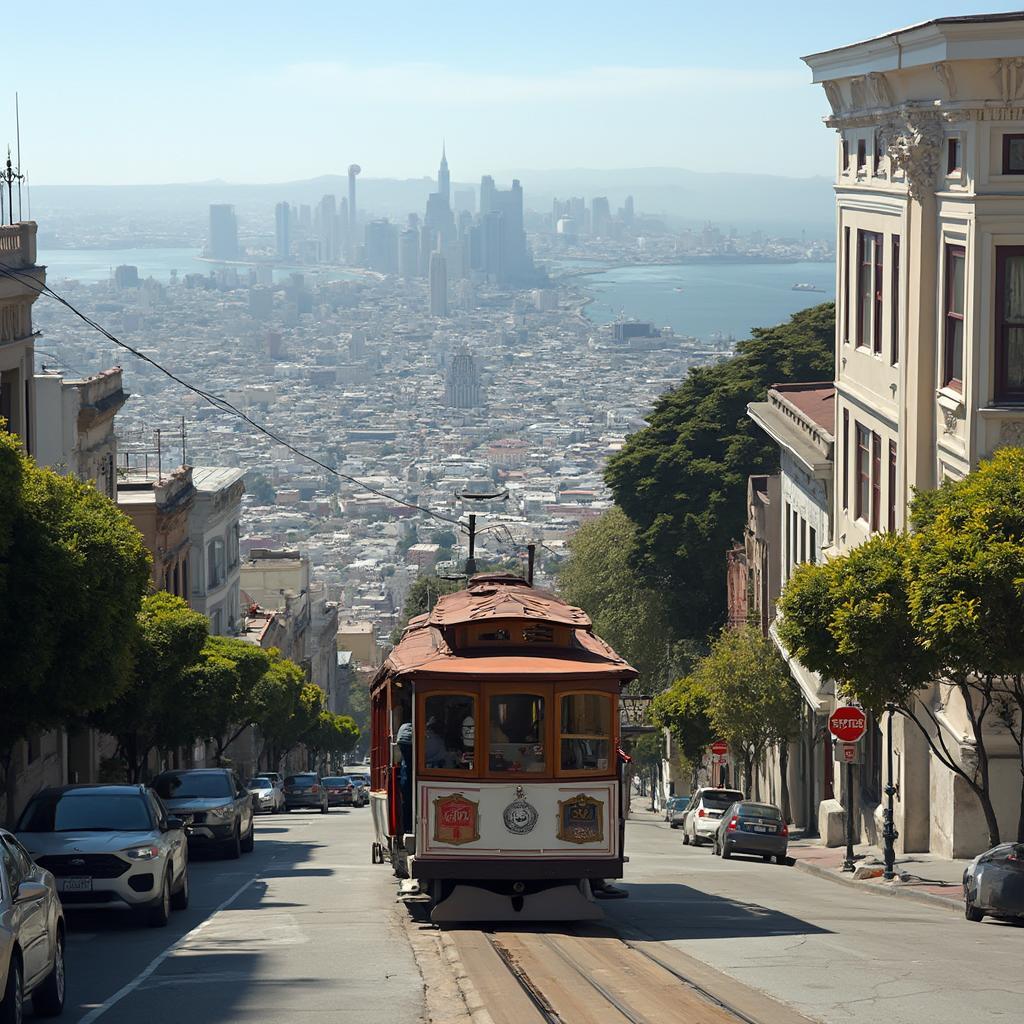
(504, 596)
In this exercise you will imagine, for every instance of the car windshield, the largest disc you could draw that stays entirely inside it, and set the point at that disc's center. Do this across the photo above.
(338, 780)
(87, 812)
(677, 803)
(719, 799)
(189, 785)
(300, 781)
(759, 811)
(260, 784)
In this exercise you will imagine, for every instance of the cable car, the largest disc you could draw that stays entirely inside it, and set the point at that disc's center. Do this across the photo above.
(496, 786)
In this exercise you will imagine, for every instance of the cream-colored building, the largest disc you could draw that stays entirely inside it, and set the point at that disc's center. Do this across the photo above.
(929, 329)
(19, 289)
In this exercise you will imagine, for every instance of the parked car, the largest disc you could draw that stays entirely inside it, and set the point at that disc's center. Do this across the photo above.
(267, 795)
(362, 783)
(215, 807)
(109, 846)
(31, 935)
(704, 811)
(344, 791)
(675, 810)
(305, 790)
(748, 827)
(994, 883)
(275, 777)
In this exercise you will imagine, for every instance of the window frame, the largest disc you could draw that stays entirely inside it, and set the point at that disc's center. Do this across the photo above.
(846, 284)
(1001, 392)
(846, 460)
(575, 690)
(870, 273)
(453, 690)
(893, 484)
(862, 155)
(488, 690)
(953, 252)
(1008, 139)
(954, 155)
(894, 302)
(214, 578)
(876, 481)
(862, 497)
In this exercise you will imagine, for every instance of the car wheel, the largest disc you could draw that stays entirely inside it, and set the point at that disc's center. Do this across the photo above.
(48, 999)
(781, 858)
(160, 914)
(287, 809)
(12, 1009)
(250, 840)
(697, 841)
(766, 857)
(179, 899)
(324, 808)
(971, 912)
(726, 853)
(233, 847)
(686, 838)
(672, 824)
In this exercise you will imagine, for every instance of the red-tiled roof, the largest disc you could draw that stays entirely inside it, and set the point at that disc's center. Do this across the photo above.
(817, 401)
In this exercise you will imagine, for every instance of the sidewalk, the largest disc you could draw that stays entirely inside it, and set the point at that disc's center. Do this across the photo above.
(919, 876)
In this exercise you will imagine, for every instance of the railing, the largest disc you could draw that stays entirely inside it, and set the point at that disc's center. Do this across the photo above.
(18, 244)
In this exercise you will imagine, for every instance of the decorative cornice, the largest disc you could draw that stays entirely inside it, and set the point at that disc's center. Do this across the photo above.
(913, 140)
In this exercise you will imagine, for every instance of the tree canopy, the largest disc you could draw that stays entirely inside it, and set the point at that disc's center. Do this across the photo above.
(73, 569)
(682, 479)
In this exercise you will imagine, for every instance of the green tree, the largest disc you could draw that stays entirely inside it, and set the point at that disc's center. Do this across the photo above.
(157, 710)
(72, 572)
(685, 710)
(332, 736)
(260, 488)
(682, 479)
(752, 702)
(601, 578)
(424, 592)
(285, 708)
(224, 680)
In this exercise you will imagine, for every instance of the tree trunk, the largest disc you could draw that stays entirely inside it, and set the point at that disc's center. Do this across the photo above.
(787, 814)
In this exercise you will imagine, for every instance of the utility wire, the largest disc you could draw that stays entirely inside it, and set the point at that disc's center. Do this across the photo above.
(217, 402)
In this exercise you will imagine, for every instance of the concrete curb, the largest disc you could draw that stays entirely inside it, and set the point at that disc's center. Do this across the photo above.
(931, 898)
(470, 996)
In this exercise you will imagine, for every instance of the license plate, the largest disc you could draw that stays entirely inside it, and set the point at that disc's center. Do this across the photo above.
(75, 884)
(760, 828)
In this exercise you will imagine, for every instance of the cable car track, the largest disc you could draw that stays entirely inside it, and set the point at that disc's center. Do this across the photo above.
(629, 987)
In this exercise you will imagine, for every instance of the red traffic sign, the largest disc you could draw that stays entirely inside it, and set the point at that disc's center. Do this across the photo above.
(719, 747)
(847, 724)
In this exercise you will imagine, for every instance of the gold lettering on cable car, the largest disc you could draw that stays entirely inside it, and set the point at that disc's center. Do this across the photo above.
(581, 820)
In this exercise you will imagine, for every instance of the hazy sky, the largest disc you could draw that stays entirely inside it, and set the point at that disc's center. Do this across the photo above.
(260, 91)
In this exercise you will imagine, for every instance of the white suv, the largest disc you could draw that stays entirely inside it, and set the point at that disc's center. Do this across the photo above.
(705, 811)
(109, 846)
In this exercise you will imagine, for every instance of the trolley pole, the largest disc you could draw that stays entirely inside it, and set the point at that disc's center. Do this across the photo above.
(889, 833)
(531, 554)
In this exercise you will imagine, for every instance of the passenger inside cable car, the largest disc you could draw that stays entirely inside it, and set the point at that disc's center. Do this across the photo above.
(450, 731)
(517, 733)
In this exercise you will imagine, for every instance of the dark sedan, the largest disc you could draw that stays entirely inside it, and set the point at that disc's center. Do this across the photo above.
(305, 791)
(341, 791)
(748, 827)
(994, 883)
(214, 805)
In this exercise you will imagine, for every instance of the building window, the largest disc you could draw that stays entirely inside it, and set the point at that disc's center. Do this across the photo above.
(869, 290)
(953, 155)
(894, 303)
(1013, 154)
(953, 350)
(1010, 323)
(876, 480)
(862, 155)
(846, 285)
(789, 541)
(863, 494)
(846, 459)
(803, 540)
(813, 546)
(233, 545)
(216, 621)
(215, 569)
(892, 486)
(879, 155)
(846, 155)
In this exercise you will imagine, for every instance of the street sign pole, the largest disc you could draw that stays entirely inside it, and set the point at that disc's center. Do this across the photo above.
(848, 725)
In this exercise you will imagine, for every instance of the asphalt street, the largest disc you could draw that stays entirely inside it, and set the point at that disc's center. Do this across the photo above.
(303, 928)
(836, 954)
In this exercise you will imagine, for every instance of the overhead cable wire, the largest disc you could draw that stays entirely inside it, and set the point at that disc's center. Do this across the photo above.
(220, 403)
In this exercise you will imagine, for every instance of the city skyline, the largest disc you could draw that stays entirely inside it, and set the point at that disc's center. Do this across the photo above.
(563, 88)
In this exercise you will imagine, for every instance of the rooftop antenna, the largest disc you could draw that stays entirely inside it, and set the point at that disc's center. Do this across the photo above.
(17, 129)
(9, 176)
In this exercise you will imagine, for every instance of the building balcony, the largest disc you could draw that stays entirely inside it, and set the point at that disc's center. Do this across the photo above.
(18, 244)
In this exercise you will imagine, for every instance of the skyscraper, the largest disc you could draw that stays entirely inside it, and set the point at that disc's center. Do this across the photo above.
(409, 253)
(504, 252)
(223, 242)
(462, 388)
(438, 285)
(439, 218)
(381, 245)
(600, 216)
(326, 225)
(443, 180)
(282, 230)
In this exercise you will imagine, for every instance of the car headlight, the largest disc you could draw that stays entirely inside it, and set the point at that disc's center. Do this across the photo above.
(141, 853)
(220, 812)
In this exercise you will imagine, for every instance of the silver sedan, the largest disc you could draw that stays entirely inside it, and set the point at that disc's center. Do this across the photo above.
(31, 936)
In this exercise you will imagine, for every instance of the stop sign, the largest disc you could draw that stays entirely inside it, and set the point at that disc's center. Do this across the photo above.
(847, 724)
(719, 747)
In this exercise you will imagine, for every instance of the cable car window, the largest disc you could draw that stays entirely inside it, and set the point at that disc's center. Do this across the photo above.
(585, 732)
(516, 740)
(449, 731)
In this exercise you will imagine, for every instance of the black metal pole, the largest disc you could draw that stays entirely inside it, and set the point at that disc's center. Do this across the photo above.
(889, 833)
(848, 864)
(471, 561)
(531, 554)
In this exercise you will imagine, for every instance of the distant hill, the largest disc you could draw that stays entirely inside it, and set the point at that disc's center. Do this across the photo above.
(745, 201)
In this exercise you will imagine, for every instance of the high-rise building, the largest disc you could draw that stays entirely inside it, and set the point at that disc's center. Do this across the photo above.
(464, 200)
(409, 253)
(443, 180)
(439, 217)
(126, 277)
(505, 255)
(438, 285)
(223, 240)
(600, 216)
(282, 230)
(462, 389)
(428, 241)
(381, 246)
(627, 211)
(325, 223)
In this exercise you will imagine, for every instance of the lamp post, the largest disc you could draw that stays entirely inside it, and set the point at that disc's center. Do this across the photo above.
(889, 833)
(848, 864)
